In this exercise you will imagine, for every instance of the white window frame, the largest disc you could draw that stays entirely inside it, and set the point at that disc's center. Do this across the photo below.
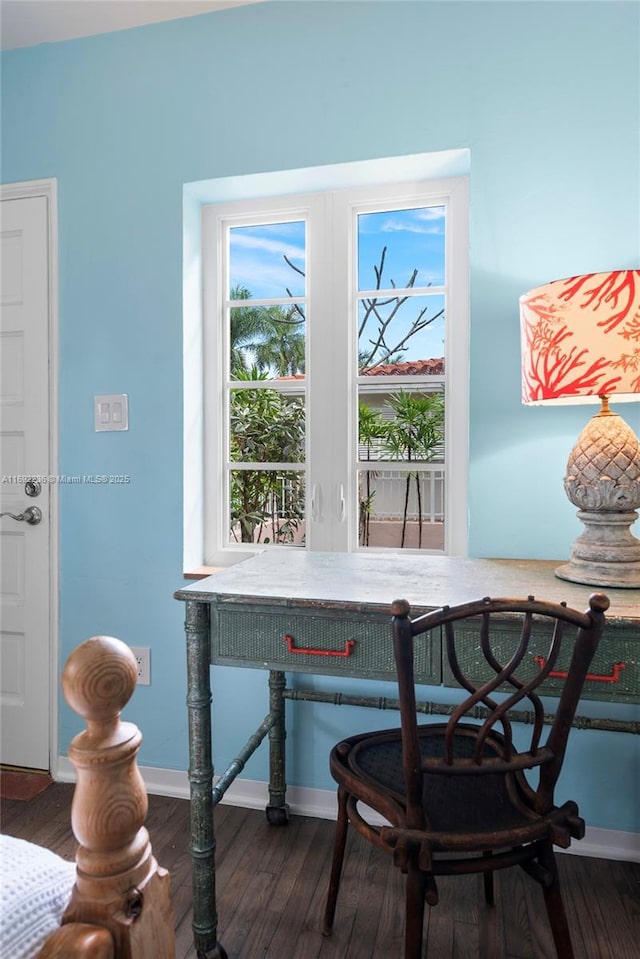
(331, 374)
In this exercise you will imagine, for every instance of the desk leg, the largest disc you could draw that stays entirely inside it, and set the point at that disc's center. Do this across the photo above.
(203, 844)
(277, 809)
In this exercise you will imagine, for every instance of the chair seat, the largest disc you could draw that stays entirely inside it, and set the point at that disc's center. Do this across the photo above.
(481, 803)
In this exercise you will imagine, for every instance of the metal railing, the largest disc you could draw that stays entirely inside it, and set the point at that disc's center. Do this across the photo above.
(389, 490)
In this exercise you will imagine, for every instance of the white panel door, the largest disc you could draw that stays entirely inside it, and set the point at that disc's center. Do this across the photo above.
(24, 453)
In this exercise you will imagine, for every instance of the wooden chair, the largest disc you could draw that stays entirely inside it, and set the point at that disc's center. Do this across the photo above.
(458, 796)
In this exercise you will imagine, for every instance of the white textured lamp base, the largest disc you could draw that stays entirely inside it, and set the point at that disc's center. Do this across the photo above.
(606, 553)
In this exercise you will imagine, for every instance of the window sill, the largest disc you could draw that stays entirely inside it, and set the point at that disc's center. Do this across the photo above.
(203, 571)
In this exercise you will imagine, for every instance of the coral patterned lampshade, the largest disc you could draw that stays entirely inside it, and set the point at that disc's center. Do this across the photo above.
(581, 339)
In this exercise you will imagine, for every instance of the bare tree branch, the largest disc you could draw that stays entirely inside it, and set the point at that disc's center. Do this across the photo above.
(373, 307)
(296, 269)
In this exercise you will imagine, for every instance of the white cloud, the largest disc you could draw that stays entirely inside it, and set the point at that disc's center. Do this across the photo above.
(428, 220)
(276, 247)
(265, 278)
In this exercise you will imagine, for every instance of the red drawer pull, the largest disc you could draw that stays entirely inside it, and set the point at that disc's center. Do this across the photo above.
(594, 677)
(348, 646)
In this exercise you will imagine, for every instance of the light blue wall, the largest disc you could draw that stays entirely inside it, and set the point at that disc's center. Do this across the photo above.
(545, 97)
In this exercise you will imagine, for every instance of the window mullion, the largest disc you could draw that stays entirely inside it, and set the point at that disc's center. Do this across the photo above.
(341, 378)
(323, 439)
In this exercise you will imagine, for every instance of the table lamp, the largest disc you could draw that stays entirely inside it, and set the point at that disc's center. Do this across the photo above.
(580, 341)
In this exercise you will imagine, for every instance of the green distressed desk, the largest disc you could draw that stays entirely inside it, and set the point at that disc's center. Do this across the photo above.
(297, 611)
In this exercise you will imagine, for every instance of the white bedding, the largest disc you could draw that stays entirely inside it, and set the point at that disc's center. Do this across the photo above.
(35, 887)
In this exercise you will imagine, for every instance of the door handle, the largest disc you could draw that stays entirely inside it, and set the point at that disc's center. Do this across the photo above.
(32, 515)
(316, 504)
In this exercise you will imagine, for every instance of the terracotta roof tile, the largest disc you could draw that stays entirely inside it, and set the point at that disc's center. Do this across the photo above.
(433, 367)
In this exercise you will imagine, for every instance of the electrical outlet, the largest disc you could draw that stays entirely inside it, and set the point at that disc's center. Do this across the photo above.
(143, 659)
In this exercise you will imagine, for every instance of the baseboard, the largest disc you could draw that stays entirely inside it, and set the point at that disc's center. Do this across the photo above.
(321, 804)
(607, 844)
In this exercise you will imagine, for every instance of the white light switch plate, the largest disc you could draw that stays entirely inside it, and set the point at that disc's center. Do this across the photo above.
(111, 412)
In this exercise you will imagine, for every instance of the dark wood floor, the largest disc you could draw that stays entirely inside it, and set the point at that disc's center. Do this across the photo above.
(272, 883)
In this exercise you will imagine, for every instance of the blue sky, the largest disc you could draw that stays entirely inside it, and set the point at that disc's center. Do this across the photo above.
(414, 239)
(257, 259)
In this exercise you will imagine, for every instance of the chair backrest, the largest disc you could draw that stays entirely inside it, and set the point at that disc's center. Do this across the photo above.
(499, 651)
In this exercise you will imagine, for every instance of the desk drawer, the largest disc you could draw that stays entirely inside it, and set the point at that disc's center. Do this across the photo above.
(312, 642)
(614, 673)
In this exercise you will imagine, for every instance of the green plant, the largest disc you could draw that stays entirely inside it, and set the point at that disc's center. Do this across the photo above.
(415, 434)
(370, 432)
(267, 338)
(266, 426)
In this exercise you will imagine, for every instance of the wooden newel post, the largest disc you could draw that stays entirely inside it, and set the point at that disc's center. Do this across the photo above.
(118, 877)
